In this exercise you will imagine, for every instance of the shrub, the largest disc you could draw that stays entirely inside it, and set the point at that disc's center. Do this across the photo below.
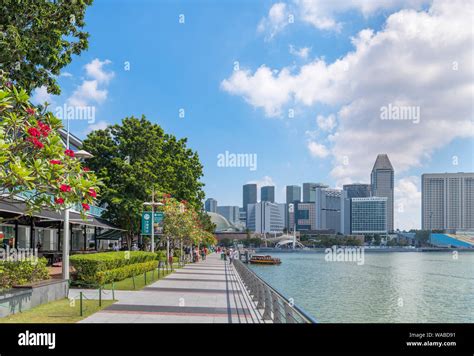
(117, 274)
(88, 266)
(22, 272)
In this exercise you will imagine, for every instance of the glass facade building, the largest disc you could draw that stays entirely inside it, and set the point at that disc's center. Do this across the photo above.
(369, 215)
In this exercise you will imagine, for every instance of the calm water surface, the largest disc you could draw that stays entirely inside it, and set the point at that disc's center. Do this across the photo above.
(392, 287)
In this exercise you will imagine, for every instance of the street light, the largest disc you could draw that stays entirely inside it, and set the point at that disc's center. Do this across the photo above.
(153, 204)
(65, 262)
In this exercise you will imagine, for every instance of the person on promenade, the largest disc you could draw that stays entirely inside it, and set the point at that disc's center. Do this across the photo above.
(231, 256)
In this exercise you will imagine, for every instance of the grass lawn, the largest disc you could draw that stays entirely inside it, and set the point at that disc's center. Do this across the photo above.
(59, 311)
(138, 282)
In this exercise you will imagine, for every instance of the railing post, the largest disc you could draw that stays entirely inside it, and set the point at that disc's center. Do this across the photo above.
(260, 295)
(289, 319)
(100, 296)
(276, 309)
(267, 312)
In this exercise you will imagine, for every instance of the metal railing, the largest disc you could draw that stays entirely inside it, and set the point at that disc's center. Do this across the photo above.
(276, 307)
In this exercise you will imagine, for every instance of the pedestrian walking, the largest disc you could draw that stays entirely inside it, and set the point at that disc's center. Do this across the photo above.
(231, 256)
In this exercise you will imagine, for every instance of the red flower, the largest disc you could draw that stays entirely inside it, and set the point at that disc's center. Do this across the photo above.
(55, 161)
(86, 169)
(30, 111)
(65, 188)
(33, 131)
(59, 200)
(69, 153)
(45, 129)
(92, 193)
(36, 142)
(85, 206)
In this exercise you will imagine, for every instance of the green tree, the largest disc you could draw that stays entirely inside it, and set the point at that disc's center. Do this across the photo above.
(38, 38)
(33, 162)
(136, 156)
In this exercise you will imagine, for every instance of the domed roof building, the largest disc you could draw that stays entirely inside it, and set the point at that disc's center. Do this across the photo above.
(222, 224)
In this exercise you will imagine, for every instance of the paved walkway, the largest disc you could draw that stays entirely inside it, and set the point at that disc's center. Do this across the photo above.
(210, 291)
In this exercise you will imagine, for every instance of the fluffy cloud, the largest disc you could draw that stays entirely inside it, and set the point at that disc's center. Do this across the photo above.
(407, 203)
(94, 88)
(41, 95)
(317, 150)
(322, 14)
(326, 123)
(276, 20)
(420, 59)
(303, 52)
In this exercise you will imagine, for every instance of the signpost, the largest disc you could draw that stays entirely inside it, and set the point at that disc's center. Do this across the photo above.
(147, 222)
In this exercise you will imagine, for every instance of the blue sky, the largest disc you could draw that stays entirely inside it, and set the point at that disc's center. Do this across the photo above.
(191, 66)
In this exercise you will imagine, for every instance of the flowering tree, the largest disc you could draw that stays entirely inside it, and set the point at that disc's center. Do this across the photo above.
(182, 224)
(35, 167)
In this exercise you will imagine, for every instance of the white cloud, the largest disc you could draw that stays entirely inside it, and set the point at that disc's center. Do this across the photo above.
(41, 95)
(276, 20)
(303, 52)
(66, 74)
(326, 123)
(96, 71)
(99, 125)
(407, 203)
(410, 61)
(93, 89)
(317, 149)
(323, 14)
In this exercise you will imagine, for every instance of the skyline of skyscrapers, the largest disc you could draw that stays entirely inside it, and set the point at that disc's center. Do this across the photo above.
(447, 202)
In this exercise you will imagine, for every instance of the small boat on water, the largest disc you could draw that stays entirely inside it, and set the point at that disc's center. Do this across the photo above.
(264, 260)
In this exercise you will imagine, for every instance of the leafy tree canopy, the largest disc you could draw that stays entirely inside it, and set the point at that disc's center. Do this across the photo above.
(137, 156)
(38, 38)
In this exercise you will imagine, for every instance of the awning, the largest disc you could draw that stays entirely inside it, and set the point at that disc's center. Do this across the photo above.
(110, 235)
(18, 208)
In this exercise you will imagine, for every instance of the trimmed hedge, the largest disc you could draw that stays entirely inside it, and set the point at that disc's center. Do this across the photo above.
(118, 274)
(22, 272)
(88, 266)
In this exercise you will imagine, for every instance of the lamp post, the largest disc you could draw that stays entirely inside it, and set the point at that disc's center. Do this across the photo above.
(66, 234)
(152, 204)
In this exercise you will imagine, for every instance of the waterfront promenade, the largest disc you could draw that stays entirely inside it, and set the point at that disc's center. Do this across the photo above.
(210, 291)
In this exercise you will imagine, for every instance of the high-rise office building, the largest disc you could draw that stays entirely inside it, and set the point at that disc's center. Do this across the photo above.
(369, 215)
(302, 217)
(293, 193)
(210, 205)
(356, 190)
(231, 213)
(328, 209)
(447, 201)
(267, 193)
(309, 191)
(249, 195)
(382, 184)
(266, 217)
